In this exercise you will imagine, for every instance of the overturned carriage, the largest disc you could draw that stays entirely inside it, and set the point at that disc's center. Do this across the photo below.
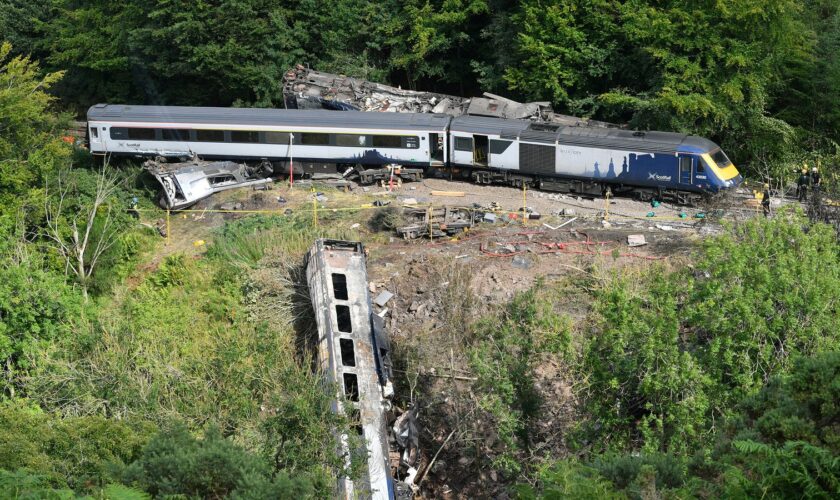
(354, 358)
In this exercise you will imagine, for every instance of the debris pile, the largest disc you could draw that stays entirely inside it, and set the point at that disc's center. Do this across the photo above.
(307, 89)
(187, 182)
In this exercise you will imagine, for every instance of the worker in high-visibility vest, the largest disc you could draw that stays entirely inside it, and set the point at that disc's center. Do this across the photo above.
(765, 200)
(802, 184)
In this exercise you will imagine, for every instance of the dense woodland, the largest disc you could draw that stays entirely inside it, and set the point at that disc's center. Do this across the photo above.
(124, 374)
(762, 77)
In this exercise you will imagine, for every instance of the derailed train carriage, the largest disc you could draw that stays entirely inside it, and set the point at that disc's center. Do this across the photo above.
(354, 358)
(583, 160)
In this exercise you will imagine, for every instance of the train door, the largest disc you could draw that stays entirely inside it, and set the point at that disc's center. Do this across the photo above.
(685, 169)
(462, 150)
(436, 148)
(96, 138)
(480, 150)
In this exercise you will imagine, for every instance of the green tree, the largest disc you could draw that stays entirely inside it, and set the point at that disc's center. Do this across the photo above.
(177, 463)
(770, 295)
(30, 147)
(645, 389)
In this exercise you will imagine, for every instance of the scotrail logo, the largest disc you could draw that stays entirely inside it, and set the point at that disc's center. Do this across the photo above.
(660, 178)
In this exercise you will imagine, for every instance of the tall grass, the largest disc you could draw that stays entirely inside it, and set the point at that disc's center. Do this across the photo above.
(217, 340)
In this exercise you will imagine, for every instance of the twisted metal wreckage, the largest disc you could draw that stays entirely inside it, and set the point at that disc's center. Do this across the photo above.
(354, 357)
(190, 180)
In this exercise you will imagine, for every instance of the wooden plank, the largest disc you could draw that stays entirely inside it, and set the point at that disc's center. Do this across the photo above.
(459, 194)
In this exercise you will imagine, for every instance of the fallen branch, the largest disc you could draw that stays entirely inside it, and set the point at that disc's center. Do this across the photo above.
(434, 458)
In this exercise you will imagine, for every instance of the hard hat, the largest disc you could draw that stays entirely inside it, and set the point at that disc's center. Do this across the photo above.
(804, 170)
(814, 170)
(766, 185)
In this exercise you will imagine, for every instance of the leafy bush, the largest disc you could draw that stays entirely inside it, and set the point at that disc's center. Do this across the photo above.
(176, 463)
(23, 485)
(770, 294)
(387, 219)
(37, 307)
(77, 452)
(667, 345)
(505, 352)
(568, 479)
(780, 443)
(644, 387)
(625, 471)
(786, 438)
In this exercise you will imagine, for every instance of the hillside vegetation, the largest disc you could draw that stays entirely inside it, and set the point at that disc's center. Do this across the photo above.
(131, 372)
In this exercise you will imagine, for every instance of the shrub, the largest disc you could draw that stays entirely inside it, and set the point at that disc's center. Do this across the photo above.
(771, 294)
(504, 354)
(644, 388)
(77, 452)
(37, 307)
(387, 219)
(568, 479)
(176, 463)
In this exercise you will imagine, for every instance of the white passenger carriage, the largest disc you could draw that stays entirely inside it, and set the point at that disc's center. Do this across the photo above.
(275, 135)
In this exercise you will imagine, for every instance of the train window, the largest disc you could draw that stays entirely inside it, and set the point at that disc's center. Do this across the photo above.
(701, 166)
(95, 132)
(143, 134)
(411, 142)
(387, 141)
(221, 179)
(342, 318)
(498, 147)
(170, 134)
(351, 386)
(310, 139)
(348, 353)
(277, 137)
(210, 135)
(119, 133)
(350, 140)
(721, 159)
(463, 144)
(339, 282)
(248, 136)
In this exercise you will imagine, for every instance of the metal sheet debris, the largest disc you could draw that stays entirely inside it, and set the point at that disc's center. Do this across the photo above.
(438, 221)
(520, 262)
(383, 298)
(305, 88)
(636, 240)
(185, 183)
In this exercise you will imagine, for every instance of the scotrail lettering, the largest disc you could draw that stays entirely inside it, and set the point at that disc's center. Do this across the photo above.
(660, 178)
